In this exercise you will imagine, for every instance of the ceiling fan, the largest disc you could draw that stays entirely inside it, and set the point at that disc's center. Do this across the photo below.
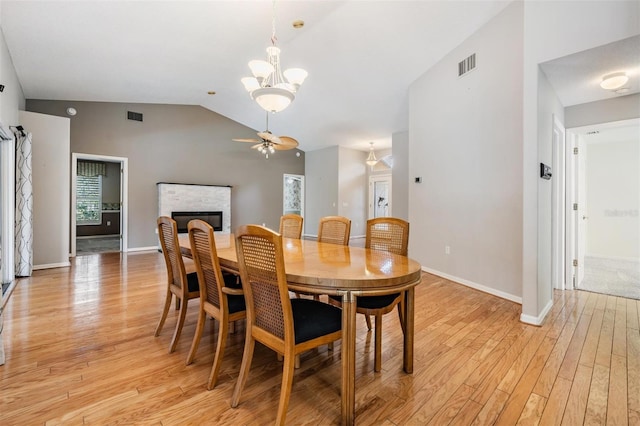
(270, 143)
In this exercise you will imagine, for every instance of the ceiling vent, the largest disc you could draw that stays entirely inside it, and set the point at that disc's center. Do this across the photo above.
(466, 65)
(135, 116)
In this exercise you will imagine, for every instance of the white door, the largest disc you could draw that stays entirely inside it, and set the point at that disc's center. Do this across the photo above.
(379, 196)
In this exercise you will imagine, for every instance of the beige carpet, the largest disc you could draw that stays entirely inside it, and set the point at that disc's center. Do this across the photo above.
(610, 276)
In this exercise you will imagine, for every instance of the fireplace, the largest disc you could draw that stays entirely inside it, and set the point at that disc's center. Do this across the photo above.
(212, 218)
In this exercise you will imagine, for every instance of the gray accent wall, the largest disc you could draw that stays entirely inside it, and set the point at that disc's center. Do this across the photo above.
(400, 175)
(179, 144)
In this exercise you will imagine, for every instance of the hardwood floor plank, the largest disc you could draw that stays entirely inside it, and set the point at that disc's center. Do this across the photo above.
(86, 354)
(548, 376)
(605, 343)
(520, 395)
(452, 407)
(554, 409)
(596, 412)
(633, 369)
(578, 396)
(590, 347)
(572, 356)
(617, 409)
(632, 314)
(532, 410)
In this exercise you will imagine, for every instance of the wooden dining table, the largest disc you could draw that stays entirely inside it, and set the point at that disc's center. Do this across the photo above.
(346, 271)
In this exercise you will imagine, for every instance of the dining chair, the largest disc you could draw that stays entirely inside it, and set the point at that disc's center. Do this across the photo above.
(334, 230)
(391, 235)
(218, 297)
(182, 281)
(291, 226)
(287, 326)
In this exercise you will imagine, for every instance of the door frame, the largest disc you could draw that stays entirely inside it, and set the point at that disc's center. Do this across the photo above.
(124, 195)
(558, 202)
(286, 176)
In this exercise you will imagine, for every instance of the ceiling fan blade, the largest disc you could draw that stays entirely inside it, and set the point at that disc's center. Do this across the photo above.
(268, 136)
(257, 146)
(289, 141)
(246, 140)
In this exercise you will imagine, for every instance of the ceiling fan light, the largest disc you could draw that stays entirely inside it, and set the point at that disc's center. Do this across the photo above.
(260, 69)
(614, 81)
(272, 99)
(295, 76)
(250, 83)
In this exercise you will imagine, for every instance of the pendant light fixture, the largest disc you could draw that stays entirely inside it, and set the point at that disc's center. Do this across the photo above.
(371, 159)
(268, 87)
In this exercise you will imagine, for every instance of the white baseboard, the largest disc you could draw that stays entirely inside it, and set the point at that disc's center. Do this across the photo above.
(154, 248)
(528, 319)
(476, 286)
(51, 266)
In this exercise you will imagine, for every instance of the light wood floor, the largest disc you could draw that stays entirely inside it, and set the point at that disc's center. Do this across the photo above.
(80, 350)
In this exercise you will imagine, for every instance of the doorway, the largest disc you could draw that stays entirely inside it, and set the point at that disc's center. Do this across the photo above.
(379, 196)
(606, 224)
(99, 204)
(293, 194)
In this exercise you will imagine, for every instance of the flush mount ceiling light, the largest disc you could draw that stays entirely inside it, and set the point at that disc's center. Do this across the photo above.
(267, 86)
(371, 159)
(614, 81)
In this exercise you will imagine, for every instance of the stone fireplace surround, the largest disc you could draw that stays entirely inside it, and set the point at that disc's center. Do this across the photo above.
(184, 197)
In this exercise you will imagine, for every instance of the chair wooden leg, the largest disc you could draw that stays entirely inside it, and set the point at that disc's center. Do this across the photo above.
(279, 357)
(177, 303)
(296, 362)
(285, 389)
(401, 313)
(165, 311)
(377, 357)
(176, 334)
(196, 337)
(368, 321)
(232, 327)
(247, 356)
(217, 359)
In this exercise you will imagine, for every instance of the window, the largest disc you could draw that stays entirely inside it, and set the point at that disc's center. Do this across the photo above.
(89, 200)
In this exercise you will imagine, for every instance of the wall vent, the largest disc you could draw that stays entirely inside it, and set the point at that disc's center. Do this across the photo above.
(136, 116)
(466, 65)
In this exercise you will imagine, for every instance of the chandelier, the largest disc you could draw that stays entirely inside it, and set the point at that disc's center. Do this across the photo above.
(371, 159)
(267, 86)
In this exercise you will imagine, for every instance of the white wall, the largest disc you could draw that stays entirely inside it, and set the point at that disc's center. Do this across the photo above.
(465, 142)
(12, 98)
(352, 189)
(613, 199)
(605, 111)
(401, 181)
(549, 106)
(51, 179)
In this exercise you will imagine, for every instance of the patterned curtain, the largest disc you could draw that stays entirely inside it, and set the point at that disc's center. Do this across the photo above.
(24, 207)
(91, 168)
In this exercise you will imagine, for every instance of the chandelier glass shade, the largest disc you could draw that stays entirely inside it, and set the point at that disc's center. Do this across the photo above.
(271, 88)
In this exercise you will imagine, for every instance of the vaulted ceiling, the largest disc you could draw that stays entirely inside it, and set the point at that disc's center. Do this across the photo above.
(361, 57)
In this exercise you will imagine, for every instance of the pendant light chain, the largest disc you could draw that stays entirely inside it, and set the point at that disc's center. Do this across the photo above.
(274, 39)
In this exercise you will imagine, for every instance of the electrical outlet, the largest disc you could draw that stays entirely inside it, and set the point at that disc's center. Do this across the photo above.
(108, 223)
(447, 250)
